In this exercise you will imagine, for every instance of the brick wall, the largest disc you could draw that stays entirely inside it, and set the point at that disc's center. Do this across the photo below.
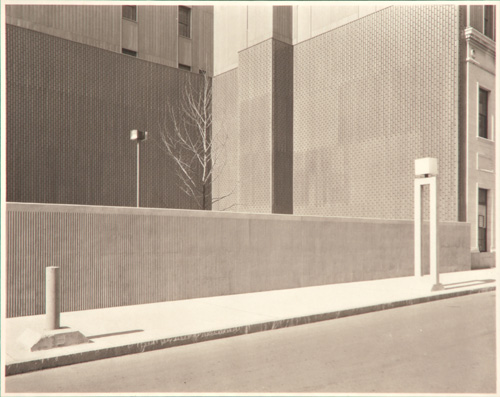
(70, 108)
(369, 98)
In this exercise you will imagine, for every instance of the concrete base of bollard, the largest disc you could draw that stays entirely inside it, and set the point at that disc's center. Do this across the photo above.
(437, 287)
(36, 341)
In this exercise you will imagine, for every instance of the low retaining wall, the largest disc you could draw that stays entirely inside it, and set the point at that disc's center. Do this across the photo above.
(123, 256)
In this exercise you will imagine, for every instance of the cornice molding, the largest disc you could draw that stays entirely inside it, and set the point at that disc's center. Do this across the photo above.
(480, 40)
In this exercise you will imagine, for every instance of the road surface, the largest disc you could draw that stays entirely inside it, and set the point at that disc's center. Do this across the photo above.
(447, 346)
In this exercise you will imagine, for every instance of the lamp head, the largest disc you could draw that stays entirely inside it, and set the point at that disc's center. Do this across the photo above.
(426, 167)
(136, 135)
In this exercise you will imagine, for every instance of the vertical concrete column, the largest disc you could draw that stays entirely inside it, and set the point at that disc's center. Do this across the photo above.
(433, 230)
(434, 235)
(418, 228)
(52, 298)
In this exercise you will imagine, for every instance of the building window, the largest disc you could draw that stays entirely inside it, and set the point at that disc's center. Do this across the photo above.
(482, 219)
(129, 12)
(483, 113)
(185, 22)
(489, 21)
(184, 67)
(129, 52)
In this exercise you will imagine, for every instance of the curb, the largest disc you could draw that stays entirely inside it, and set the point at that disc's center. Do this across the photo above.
(141, 347)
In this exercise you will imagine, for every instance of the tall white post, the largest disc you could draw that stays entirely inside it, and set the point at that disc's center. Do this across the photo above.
(434, 235)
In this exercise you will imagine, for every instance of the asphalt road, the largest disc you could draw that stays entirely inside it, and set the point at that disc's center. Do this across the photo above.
(447, 346)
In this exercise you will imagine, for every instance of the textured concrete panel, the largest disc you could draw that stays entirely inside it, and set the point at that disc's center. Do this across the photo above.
(253, 107)
(370, 97)
(255, 74)
(68, 124)
(226, 140)
(124, 256)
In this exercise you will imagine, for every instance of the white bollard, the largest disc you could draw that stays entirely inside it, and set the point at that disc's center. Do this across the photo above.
(52, 298)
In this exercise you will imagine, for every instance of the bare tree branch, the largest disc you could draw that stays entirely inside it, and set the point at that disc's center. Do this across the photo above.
(186, 138)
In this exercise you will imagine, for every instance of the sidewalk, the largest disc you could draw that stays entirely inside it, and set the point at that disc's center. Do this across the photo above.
(139, 328)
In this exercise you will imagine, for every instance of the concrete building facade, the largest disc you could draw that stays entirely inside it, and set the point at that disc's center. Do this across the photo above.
(373, 90)
(325, 107)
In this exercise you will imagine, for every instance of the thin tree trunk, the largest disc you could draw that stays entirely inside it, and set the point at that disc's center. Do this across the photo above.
(204, 198)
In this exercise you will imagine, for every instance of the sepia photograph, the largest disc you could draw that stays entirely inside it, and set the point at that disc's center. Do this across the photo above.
(249, 198)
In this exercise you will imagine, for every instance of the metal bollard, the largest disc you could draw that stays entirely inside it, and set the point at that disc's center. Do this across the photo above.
(52, 298)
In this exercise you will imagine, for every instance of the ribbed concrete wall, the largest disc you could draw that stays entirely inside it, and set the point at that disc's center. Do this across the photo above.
(124, 256)
(370, 97)
(68, 124)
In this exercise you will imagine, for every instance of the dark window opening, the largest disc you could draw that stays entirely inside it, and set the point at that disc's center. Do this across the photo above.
(489, 21)
(129, 12)
(185, 22)
(184, 67)
(482, 220)
(483, 113)
(129, 52)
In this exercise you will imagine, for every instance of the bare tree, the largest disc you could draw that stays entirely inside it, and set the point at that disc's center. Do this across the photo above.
(190, 143)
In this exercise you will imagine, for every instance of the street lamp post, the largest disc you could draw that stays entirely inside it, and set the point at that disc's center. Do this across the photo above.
(138, 136)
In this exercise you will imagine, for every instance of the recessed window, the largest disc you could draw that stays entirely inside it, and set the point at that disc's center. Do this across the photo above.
(184, 67)
(129, 12)
(483, 113)
(129, 52)
(489, 21)
(185, 21)
(482, 220)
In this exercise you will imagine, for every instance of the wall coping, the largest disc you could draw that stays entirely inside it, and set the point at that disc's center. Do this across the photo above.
(94, 209)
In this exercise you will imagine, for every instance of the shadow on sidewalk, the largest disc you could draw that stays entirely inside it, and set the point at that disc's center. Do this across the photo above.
(115, 334)
(469, 283)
